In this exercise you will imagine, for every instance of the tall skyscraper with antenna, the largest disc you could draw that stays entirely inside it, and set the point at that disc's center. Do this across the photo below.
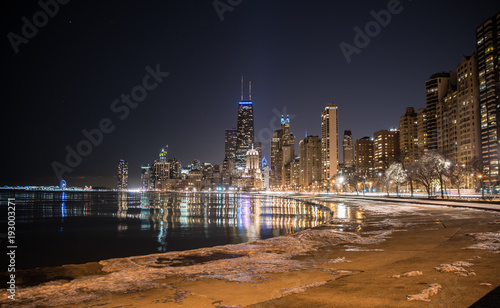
(244, 129)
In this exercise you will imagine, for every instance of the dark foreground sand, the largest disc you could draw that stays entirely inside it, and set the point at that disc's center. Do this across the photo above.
(445, 257)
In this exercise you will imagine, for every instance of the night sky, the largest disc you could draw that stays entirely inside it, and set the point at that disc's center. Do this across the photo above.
(66, 77)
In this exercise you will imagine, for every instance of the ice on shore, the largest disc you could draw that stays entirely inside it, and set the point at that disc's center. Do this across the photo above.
(339, 260)
(489, 241)
(245, 263)
(408, 274)
(424, 295)
(457, 268)
(300, 289)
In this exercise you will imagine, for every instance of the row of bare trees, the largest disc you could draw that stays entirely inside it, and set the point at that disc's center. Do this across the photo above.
(431, 168)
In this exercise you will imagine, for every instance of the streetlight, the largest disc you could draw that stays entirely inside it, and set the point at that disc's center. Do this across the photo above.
(480, 176)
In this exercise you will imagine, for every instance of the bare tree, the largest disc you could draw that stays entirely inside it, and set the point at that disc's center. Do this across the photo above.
(456, 173)
(396, 174)
(425, 173)
(411, 176)
(440, 166)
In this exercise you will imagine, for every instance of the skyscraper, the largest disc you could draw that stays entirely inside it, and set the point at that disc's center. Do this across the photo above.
(488, 62)
(310, 161)
(122, 174)
(146, 177)
(348, 149)
(364, 157)
(422, 132)
(385, 149)
(408, 139)
(244, 133)
(329, 142)
(282, 153)
(230, 143)
(458, 119)
(437, 88)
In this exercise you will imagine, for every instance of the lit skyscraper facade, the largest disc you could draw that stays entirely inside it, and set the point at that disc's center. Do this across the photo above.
(282, 154)
(244, 133)
(348, 149)
(122, 174)
(364, 157)
(385, 149)
(230, 142)
(329, 142)
(437, 88)
(488, 62)
(310, 161)
(408, 139)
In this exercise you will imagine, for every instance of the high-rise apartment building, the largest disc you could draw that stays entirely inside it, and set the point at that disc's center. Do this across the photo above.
(310, 161)
(437, 88)
(364, 157)
(348, 149)
(488, 63)
(422, 132)
(385, 149)
(458, 131)
(122, 174)
(408, 136)
(329, 142)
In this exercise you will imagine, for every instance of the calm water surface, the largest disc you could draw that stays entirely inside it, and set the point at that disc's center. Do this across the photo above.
(55, 228)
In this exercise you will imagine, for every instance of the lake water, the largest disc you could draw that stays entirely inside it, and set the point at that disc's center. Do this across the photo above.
(56, 228)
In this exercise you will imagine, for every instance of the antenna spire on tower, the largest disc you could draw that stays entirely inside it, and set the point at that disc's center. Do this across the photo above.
(250, 91)
(241, 87)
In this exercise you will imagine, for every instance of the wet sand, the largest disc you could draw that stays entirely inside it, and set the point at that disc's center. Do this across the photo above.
(451, 255)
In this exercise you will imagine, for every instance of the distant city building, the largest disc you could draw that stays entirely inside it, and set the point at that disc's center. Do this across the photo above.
(252, 175)
(160, 174)
(310, 161)
(364, 157)
(122, 175)
(175, 168)
(437, 88)
(295, 172)
(282, 154)
(329, 142)
(348, 149)
(385, 149)
(146, 183)
(230, 143)
(488, 63)
(164, 153)
(245, 132)
(265, 174)
(408, 136)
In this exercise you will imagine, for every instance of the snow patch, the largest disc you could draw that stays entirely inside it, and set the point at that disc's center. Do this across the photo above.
(457, 268)
(489, 241)
(339, 260)
(424, 295)
(408, 274)
(356, 248)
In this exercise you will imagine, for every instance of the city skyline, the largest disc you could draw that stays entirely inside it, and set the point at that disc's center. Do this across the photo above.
(163, 117)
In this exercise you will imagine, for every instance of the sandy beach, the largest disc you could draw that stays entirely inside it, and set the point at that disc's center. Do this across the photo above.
(370, 254)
